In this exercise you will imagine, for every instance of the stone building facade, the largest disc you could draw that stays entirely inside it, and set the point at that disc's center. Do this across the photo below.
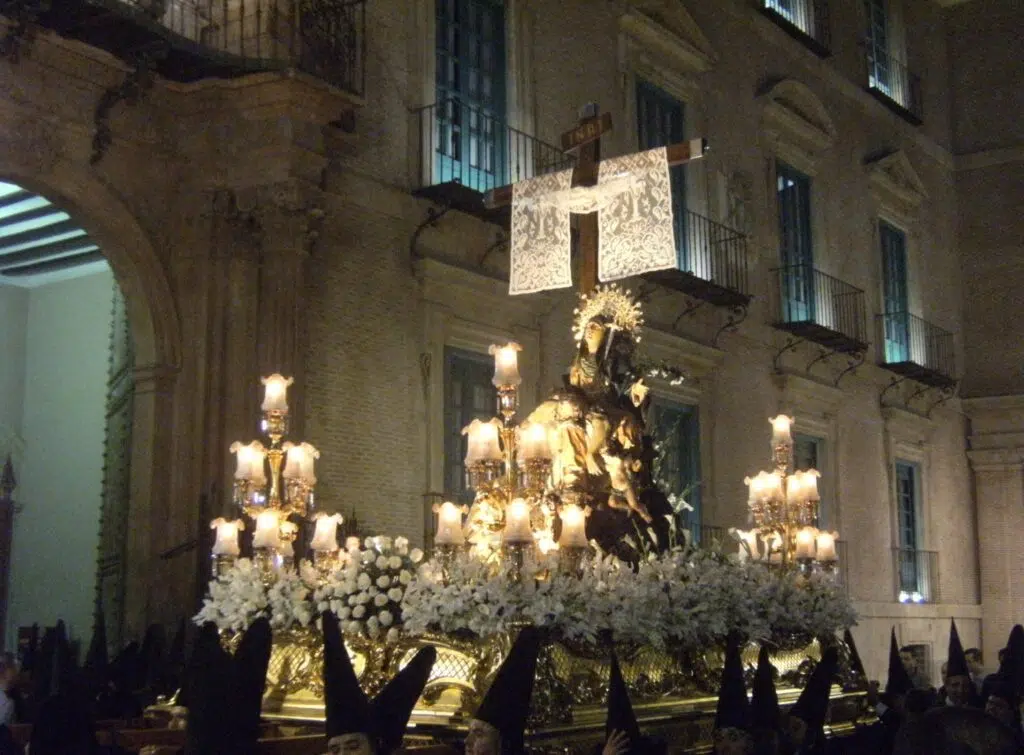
(271, 222)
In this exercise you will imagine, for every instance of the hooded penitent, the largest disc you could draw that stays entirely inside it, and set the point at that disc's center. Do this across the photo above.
(225, 693)
(764, 700)
(856, 665)
(350, 711)
(733, 710)
(956, 660)
(506, 705)
(620, 710)
(812, 705)
(1011, 669)
(899, 681)
(63, 722)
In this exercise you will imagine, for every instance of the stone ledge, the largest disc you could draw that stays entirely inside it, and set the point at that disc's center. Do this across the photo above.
(882, 610)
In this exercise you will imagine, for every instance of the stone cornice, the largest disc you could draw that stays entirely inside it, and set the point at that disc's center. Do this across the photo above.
(895, 184)
(697, 361)
(689, 54)
(993, 403)
(997, 459)
(443, 284)
(907, 426)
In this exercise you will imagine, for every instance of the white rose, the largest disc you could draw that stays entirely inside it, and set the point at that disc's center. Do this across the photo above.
(382, 562)
(354, 627)
(395, 594)
(367, 557)
(395, 562)
(392, 636)
(358, 612)
(368, 543)
(405, 577)
(353, 600)
(383, 581)
(402, 544)
(344, 613)
(372, 624)
(380, 600)
(416, 555)
(386, 619)
(364, 581)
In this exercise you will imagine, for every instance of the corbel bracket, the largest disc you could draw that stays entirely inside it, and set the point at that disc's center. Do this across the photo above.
(737, 315)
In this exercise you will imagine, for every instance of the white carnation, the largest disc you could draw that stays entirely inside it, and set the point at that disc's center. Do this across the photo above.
(386, 619)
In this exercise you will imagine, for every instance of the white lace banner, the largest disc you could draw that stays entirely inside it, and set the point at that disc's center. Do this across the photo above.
(633, 200)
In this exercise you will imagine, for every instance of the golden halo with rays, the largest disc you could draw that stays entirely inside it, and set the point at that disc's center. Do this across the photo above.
(617, 304)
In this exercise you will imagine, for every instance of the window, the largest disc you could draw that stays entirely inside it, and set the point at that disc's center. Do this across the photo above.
(809, 453)
(808, 18)
(879, 58)
(676, 431)
(894, 293)
(910, 566)
(469, 395)
(887, 69)
(659, 118)
(795, 254)
(470, 81)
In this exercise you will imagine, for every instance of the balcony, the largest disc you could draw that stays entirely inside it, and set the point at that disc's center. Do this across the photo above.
(894, 85)
(819, 308)
(917, 575)
(465, 152)
(916, 349)
(804, 20)
(712, 263)
(190, 40)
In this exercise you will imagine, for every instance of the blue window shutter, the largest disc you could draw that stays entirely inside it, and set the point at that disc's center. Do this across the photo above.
(660, 122)
(907, 502)
(796, 255)
(468, 395)
(470, 82)
(894, 283)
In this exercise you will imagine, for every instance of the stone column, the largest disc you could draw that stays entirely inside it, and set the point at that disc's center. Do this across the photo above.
(997, 459)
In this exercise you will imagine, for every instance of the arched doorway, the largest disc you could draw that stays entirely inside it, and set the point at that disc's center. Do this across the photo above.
(137, 387)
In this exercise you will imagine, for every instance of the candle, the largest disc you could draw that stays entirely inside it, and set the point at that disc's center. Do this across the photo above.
(773, 548)
(449, 525)
(748, 543)
(810, 485)
(574, 533)
(275, 395)
(827, 546)
(268, 533)
(533, 442)
(796, 488)
(517, 522)
(325, 536)
(250, 462)
(506, 365)
(226, 543)
(780, 431)
(299, 462)
(483, 441)
(805, 539)
(285, 549)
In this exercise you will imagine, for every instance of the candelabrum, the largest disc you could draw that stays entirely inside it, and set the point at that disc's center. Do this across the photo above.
(270, 501)
(508, 466)
(784, 511)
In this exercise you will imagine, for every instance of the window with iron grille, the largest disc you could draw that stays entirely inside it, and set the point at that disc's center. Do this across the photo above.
(676, 431)
(660, 122)
(795, 251)
(907, 503)
(809, 453)
(894, 293)
(468, 395)
(880, 74)
(470, 81)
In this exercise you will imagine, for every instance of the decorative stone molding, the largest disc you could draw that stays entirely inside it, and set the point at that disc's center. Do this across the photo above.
(907, 427)
(154, 378)
(895, 185)
(812, 403)
(484, 297)
(697, 361)
(997, 459)
(666, 33)
(797, 124)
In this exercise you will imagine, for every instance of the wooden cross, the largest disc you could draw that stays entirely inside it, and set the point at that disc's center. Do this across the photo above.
(586, 137)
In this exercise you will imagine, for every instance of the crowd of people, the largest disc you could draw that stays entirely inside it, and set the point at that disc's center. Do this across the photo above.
(971, 713)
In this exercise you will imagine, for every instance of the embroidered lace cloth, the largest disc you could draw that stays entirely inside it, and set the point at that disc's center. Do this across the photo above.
(633, 200)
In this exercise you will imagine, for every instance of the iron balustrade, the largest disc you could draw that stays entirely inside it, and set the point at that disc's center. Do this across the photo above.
(807, 20)
(807, 295)
(463, 144)
(324, 38)
(907, 338)
(713, 252)
(917, 575)
(890, 77)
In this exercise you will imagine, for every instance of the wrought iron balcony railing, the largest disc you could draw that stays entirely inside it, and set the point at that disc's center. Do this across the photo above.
(917, 575)
(805, 20)
(821, 308)
(712, 262)
(917, 349)
(207, 38)
(893, 83)
(464, 151)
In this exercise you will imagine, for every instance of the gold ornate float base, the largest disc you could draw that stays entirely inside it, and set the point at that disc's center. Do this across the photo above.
(674, 694)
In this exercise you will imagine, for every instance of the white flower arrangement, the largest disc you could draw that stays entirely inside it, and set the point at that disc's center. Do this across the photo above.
(367, 590)
(239, 597)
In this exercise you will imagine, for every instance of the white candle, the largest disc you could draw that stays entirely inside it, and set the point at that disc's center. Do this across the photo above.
(449, 525)
(285, 549)
(533, 442)
(773, 550)
(748, 544)
(275, 395)
(299, 463)
(268, 533)
(325, 536)
(483, 441)
(805, 539)
(506, 364)
(827, 546)
(517, 522)
(810, 485)
(796, 488)
(352, 544)
(772, 487)
(780, 431)
(574, 529)
(250, 459)
(226, 543)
